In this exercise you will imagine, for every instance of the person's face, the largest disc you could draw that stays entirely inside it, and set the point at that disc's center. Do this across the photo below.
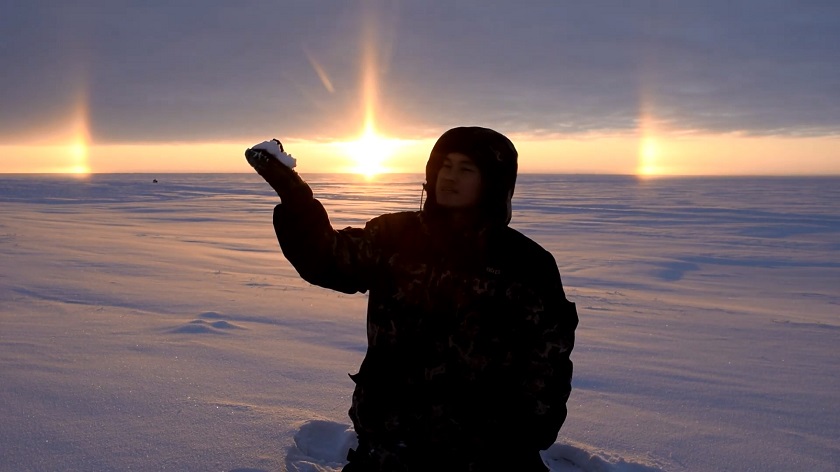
(458, 183)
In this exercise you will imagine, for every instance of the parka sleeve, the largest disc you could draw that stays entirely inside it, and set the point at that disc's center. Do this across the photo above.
(342, 260)
(548, 381)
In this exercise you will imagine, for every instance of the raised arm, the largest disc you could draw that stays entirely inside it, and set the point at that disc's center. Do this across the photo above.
(340, 260)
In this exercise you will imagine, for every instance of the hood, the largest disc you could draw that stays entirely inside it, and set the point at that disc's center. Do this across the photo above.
(496, 158)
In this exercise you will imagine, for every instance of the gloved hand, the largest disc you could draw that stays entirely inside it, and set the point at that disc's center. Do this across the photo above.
(275, 148)
(275, 166)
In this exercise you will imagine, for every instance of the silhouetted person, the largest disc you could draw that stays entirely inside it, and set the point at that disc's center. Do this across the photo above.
(469, 330)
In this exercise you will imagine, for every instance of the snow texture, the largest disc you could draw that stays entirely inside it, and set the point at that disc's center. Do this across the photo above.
(158, 326)
(273, 148)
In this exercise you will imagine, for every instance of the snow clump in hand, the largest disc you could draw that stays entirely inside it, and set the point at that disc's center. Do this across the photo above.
(274, 148)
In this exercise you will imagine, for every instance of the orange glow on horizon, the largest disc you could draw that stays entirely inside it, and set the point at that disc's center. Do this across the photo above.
(78, 151)
(80, 140)
(61, 147)
(371, 151)
(80, 146)
(649, 154)
(688, 154)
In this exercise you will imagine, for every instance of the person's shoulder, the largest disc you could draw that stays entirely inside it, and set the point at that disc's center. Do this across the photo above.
(398, 218)
(527, 260)
(395, 222)
(522, 246)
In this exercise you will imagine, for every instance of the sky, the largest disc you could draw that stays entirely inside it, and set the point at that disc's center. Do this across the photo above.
(631, 87)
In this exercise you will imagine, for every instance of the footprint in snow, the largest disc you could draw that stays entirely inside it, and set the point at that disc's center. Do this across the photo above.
(321, 446)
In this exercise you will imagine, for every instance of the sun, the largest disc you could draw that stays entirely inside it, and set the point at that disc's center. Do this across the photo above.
(648, 159)
(78, 152)
(370, 152)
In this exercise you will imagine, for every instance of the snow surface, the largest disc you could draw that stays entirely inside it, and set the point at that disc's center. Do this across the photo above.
(157, 326)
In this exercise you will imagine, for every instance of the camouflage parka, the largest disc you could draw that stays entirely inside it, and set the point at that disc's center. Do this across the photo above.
(469, 332)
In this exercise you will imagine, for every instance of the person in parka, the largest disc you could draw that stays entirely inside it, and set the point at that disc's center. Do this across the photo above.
(469, 331)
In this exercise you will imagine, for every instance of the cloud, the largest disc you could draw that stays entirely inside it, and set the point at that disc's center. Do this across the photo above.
(156, 71)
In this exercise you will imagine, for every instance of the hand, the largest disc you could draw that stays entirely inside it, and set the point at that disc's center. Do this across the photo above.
(273, 148)
(279, 174)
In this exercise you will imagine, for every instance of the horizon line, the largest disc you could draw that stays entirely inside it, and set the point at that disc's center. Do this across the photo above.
(638, 176)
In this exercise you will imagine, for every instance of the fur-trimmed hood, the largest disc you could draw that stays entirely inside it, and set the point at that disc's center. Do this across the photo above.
(496, 158)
